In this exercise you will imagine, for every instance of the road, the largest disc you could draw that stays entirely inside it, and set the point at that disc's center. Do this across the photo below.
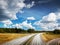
(37, 40)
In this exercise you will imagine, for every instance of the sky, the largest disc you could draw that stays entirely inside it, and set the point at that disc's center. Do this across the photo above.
(34, 14)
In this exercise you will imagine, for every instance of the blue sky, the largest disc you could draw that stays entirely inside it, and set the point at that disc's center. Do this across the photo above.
(25, 14)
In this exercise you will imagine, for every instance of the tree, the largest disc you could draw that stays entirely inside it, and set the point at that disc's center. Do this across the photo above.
(30, 30)
(56, 31)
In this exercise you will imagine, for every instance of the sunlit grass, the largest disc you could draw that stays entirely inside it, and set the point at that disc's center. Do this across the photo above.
(48, 37)
(4, 37)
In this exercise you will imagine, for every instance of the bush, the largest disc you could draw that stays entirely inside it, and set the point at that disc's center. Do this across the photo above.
(56, 31)
(30, 30)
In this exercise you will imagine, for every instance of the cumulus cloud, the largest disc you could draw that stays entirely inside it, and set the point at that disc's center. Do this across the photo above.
(47, 26)
(50, 17)
(9, 8)
(7, 23)
(58, 15)
(24, 24)
(30, 5)
(17, 26)
(30, 18)
(28, 25)
(49, 22)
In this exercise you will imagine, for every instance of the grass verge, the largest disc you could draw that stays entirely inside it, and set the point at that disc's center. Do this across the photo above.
(48, 37)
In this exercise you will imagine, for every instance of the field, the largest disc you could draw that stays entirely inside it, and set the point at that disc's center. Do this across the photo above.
(4, 37)
(48, 37)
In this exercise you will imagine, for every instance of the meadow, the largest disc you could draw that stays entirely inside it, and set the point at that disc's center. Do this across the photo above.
(48, 37)
(4, 37)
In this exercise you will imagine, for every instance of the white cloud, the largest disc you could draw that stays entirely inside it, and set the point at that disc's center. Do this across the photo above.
(49, 22)
(28, 25)
(30, 18)
(58, 15)
(50, 17)
(3, 5)
(30, 5)
(24, 24)
(17, 26)
(8, 22)
(9, 8)
(5, 25)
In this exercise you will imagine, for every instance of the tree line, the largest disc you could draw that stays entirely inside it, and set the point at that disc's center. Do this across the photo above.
(55, 31)
(16, 30)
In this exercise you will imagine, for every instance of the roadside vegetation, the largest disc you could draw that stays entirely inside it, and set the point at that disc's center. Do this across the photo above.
(47, 36)
(17, 30)
(4, 37)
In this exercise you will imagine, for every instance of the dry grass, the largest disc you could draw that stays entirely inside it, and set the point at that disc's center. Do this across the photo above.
(48, 37)
(4, 37)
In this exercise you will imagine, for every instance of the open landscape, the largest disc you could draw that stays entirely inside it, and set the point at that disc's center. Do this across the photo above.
(29, 22)
(27, 37)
